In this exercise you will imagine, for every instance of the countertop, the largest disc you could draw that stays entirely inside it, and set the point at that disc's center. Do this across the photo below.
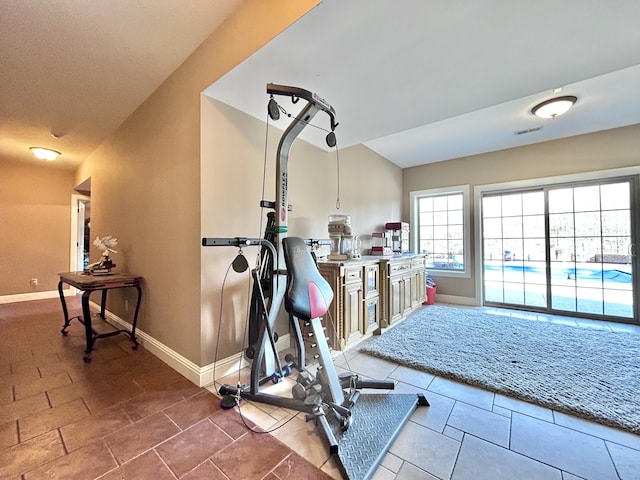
(368, 259)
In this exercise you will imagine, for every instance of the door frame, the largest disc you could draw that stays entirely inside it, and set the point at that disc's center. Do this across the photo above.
(77, 232)
(479, 190)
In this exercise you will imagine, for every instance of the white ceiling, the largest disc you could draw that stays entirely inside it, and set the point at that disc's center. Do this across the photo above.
(424, 81)
(79, 68)
(417, 81)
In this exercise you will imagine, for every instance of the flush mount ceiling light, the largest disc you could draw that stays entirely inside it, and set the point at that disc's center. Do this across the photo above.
(554, 107)
(45, 153)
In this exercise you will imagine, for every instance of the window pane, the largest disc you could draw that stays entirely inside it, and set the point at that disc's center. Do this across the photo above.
(588, 249)
(491, 207)
(493, 249)
(440, 218)
(533, 203)
(492, 228)
(587, 224)
(455, 232)
(512, 205)
(615, 196)
(512, 227)
(616, 222)
(425, 204)
(561, 200)
(426, 233)
(440, 203)
(534, 249)
(440, 232)
(533, 226)
(616, 250)
(561, 225)
(455, 217)
(425, 218)
(587, 199)
(562, 250)
(455, 202)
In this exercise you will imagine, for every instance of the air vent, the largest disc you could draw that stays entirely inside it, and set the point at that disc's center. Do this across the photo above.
(528, 130)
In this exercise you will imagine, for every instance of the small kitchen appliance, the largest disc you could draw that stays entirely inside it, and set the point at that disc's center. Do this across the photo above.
(399, 236)
(341, 237)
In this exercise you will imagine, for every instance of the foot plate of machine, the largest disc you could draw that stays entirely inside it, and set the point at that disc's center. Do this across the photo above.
(377, 420)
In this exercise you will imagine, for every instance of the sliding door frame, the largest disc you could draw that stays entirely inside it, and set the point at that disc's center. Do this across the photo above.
(631, 174)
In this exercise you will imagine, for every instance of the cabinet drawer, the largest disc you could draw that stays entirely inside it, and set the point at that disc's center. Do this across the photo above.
(397, 268)
(352, 275)
(371, 314)
(418, 263)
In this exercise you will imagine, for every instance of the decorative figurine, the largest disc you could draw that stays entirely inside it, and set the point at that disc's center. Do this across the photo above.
(104, 266)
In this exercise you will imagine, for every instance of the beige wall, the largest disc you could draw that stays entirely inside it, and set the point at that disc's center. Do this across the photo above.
(610, 149)
(151, 190)
(232, 167)
(35, 226)
(145, 179)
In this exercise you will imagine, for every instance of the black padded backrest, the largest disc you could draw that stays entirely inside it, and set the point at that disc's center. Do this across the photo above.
(308, 294)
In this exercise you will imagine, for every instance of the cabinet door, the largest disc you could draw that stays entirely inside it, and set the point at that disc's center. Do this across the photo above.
(353, 312)
(396, 298)
(416, 297)
(371, 281)
(418, 288)
(406, 294)
(371, 314)
(333, 321)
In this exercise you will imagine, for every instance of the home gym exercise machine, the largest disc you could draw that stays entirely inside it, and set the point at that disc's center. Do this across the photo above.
(359, 427)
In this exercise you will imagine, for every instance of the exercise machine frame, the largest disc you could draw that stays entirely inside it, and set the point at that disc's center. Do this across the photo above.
(323, 393)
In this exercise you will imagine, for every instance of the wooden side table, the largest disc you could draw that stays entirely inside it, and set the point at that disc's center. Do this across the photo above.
(90, 283)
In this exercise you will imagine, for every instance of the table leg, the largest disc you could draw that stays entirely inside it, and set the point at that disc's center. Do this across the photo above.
(86, 313)
(135, 318)
(64, 309)
(103, 303)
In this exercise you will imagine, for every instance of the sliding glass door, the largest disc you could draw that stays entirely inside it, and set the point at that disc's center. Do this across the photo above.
(565, 248)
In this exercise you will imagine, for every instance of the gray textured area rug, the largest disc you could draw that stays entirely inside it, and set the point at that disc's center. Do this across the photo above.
(590, 373)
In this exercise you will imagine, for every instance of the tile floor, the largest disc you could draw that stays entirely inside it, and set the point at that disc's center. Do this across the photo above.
(471, 434)
(125, 415)
(128, 416)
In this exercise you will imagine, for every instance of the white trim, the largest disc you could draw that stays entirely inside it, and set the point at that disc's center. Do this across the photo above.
(455, 299)
(73, 246)
(25, 297)
(559, 179)
(201, 376)
(413, 215)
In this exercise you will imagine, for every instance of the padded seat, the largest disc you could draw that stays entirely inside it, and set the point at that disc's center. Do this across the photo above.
(308, 294)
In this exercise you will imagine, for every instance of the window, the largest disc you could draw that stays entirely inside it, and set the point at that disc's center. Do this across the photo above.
(441, 217)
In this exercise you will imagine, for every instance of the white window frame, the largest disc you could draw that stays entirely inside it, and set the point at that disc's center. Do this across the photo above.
(466, 215)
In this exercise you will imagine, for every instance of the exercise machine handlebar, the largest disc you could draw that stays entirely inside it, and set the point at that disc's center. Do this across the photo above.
(232, 242)
(246, 242)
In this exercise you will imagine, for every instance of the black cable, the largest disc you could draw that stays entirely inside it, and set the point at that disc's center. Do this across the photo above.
(215, 357)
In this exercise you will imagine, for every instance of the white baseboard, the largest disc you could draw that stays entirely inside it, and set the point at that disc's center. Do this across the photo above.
(201, 376)
(471, 301)
(25, 297)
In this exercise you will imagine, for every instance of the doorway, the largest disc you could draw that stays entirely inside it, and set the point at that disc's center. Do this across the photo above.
(80, 226)
(567, 249)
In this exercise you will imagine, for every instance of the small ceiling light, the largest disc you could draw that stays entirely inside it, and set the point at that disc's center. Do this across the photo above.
(45, 153)
(554, 107)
